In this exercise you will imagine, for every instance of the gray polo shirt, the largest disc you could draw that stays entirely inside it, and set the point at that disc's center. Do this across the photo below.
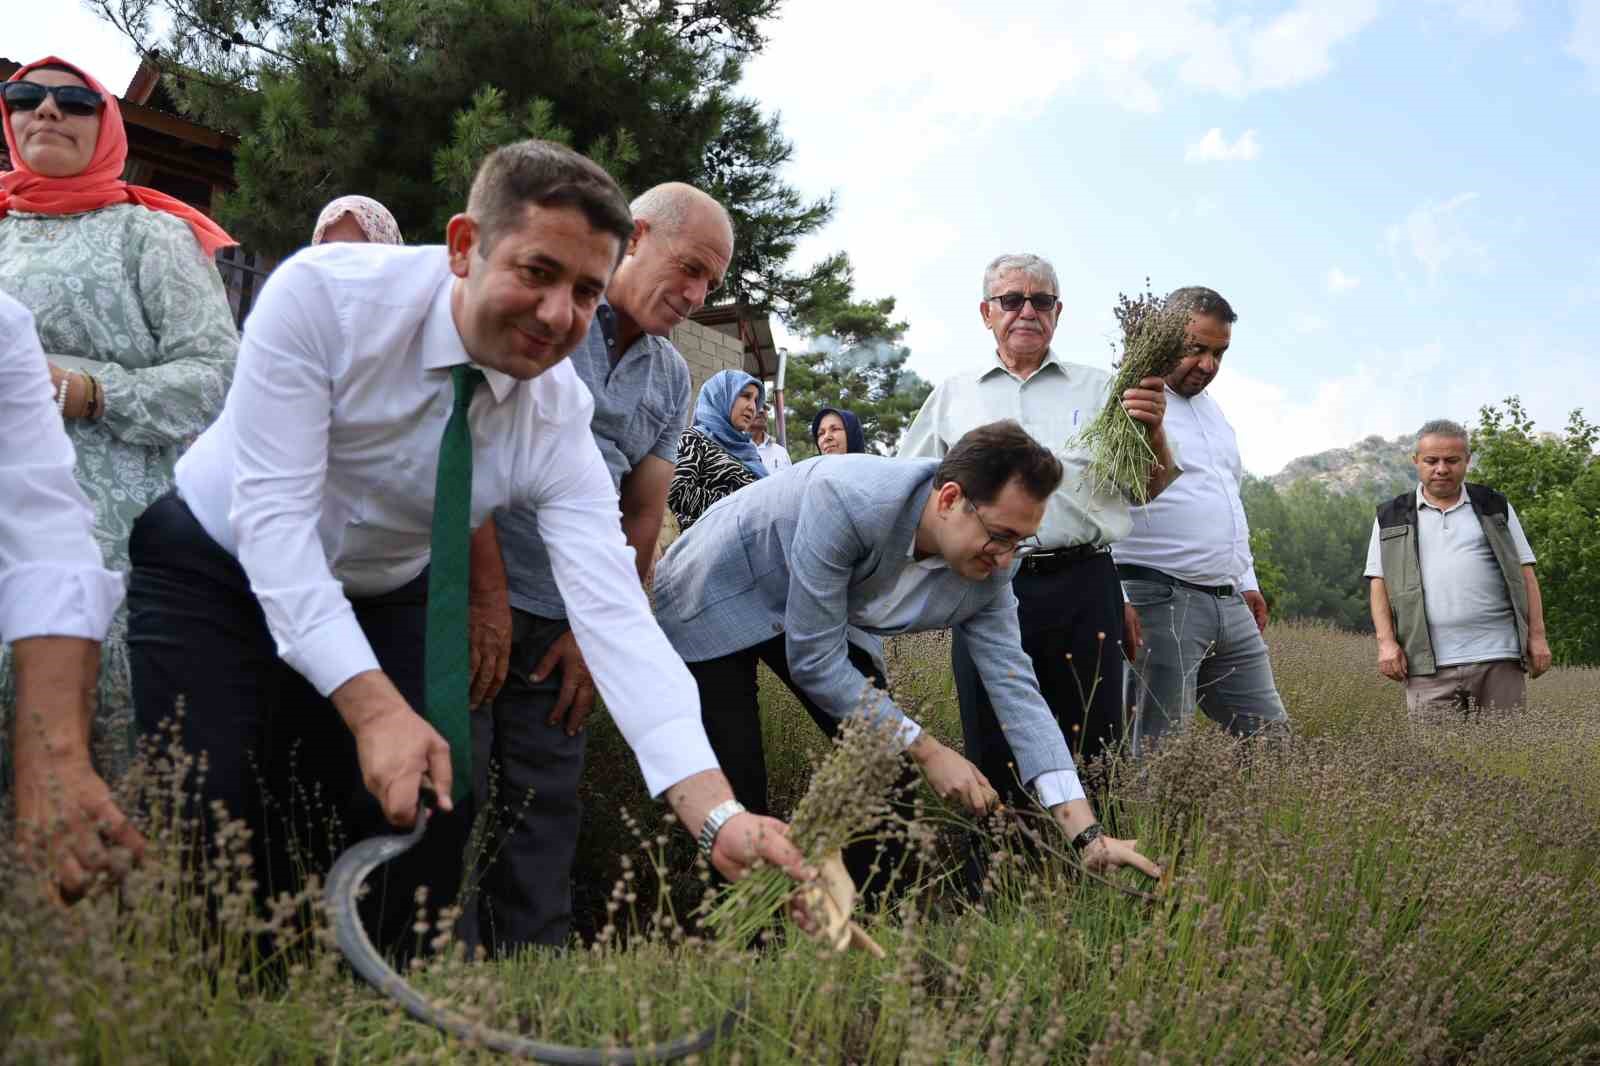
(641, 404)
(1470, 618)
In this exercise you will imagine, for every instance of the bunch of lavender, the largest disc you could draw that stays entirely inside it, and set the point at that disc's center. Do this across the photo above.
(1120, 455)
(847, 799)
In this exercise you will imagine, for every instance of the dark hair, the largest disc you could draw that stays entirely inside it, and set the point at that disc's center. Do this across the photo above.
(549, 175)
(1199, 300)
(985, 460)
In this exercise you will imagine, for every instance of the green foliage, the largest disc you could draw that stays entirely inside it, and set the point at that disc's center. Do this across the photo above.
(856, 362)
(1269, 574)
(400, 99)
(1553, 480)
(1310, 548)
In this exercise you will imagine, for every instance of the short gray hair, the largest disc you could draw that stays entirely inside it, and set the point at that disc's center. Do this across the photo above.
(1443, 427)
(672, 204)
(1037, 268)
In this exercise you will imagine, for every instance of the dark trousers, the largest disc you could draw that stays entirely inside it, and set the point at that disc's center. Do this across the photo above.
(1071, 624)
(731, 714)
(532, 770)
(278, 755)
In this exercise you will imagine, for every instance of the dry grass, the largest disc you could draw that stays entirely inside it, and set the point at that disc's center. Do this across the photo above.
(1373, 891)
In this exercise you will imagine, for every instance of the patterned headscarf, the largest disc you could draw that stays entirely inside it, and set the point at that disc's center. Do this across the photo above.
(373, 218)
(100, 183)
(711, 412)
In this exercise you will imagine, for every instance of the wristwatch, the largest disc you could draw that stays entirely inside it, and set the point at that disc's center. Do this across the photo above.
(1090, 834)
(715, 821)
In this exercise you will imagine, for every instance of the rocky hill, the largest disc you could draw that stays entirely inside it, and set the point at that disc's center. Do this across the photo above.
(1373, 467)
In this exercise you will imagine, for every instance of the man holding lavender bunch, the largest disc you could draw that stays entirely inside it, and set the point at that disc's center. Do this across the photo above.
(1187, 567)
(1069, 602)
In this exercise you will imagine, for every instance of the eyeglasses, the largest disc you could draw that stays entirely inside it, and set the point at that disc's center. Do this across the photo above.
(70, 99)
(1043, 302)
(1018, 546)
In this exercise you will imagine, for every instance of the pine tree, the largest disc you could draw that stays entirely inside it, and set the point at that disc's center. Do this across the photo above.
(855, 361)
(399, 100)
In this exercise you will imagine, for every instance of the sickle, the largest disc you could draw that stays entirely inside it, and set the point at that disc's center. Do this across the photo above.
(345, 881)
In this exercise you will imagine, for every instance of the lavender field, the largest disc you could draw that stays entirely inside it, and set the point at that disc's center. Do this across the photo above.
(1373, 891)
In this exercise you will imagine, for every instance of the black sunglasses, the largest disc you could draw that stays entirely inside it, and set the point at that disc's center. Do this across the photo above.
(71, 99)
(1042, 302)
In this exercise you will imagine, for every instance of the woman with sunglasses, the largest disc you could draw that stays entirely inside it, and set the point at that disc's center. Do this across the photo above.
(132, 316)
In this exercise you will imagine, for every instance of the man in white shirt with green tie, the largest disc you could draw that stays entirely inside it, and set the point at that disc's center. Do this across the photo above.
(291, 591)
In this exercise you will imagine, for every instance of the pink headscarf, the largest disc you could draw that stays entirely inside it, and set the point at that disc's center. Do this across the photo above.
(100, 183)
(373, 218)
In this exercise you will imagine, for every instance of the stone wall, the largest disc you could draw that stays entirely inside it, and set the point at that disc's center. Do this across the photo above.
(707, 351)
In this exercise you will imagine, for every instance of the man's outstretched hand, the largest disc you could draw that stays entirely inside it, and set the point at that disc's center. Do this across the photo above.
(67, 820)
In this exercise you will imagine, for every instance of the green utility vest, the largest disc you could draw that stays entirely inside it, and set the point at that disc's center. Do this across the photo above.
(1402, 570)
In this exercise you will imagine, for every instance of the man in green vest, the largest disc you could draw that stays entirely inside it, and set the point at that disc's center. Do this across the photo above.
(1454, 598)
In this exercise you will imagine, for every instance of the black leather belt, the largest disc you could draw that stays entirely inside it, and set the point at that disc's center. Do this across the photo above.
(1133, 572)
(1056, 559)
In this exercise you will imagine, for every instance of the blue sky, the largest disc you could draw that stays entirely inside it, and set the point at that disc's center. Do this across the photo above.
(1398, 198)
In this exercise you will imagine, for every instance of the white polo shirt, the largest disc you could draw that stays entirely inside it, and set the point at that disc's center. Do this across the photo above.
(1470, 617)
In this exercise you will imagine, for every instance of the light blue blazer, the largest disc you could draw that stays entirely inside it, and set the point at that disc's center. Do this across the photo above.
(793, 552)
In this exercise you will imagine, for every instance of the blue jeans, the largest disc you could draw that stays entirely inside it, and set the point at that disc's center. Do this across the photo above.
(1200, 650)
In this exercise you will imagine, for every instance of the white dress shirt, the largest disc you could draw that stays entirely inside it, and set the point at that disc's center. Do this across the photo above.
(53, 580)
(1053, 405)
(1196, 530)
(319, 477)
(774, 456)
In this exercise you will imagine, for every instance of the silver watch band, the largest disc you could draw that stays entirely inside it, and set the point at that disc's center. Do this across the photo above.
(714, 822)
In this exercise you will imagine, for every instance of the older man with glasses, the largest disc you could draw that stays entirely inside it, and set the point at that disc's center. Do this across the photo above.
(1069, 603)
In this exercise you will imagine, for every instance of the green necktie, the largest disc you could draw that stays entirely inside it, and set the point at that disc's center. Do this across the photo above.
(447, 661)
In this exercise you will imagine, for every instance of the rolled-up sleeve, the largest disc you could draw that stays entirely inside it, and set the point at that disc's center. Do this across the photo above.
(280, 411)
(53, 581)
(647, 689)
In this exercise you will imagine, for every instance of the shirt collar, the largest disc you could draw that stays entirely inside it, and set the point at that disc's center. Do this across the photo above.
(1422, 502)
(442, 348)
(920, 500)
(997, 367)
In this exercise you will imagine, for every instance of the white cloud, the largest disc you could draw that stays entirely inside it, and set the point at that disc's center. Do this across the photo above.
(1306, 323)
(1435, 236)
(1339, 281)
(1294, 47)
(1389, 392)
(953, 60)
(1214, 148)
(1584, 43)
(1494, 16)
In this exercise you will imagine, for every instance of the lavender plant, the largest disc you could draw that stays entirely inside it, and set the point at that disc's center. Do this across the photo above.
(1120, 454)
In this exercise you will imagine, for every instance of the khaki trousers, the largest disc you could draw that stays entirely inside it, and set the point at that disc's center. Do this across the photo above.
(1502, 684)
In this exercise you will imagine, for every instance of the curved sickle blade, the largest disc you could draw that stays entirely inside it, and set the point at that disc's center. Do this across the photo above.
(351, 871)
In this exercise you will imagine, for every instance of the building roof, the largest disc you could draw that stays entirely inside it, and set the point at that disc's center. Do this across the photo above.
(754, 330)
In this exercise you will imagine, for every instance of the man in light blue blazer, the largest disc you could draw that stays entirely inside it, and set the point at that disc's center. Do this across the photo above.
(782, 570)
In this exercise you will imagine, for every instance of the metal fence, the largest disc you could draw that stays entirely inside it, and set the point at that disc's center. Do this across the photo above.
(242, 275)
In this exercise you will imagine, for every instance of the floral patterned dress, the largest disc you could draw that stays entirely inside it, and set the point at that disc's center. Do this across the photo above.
(130, 288)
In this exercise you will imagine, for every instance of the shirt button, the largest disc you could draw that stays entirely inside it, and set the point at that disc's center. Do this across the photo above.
(777, 627)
